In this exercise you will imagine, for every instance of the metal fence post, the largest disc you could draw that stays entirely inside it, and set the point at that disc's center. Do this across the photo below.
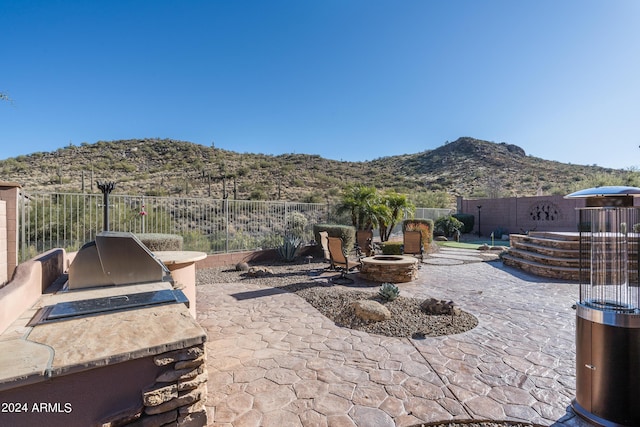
(225, 204)
(286, 218)
(143, 213)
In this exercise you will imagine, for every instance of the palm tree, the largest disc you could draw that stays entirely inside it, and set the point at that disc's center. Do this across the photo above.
(369, 209)
(396, 207)
(360, 201)
(383, 218)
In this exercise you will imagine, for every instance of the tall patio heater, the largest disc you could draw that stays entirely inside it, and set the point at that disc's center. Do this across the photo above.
(608, 310)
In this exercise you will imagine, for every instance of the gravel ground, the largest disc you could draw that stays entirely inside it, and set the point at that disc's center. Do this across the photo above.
(334, 301)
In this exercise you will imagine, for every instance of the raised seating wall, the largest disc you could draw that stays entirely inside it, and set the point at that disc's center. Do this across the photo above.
(556, 255)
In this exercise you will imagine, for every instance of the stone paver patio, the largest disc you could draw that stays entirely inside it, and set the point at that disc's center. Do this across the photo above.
(274, 360)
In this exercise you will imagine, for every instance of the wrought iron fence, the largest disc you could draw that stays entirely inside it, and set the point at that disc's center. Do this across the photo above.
(69, 220)
(431, 213)
(56, 220)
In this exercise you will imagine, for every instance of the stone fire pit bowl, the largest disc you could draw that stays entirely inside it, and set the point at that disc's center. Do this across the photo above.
(389, 268)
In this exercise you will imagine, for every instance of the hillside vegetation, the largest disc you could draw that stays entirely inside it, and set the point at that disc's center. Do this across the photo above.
(162, 167)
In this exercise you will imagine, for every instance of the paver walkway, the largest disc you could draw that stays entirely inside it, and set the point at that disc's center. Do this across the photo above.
(274, 360)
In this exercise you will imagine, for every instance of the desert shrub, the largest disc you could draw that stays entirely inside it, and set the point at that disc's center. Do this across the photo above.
(271, 240)
(158, 192)
(161, 242)
(296, 223)
(467, 220)
(313, 197)
(447, 225)
(392, 248)
(425, 226)
(346, 232)
(389, 291)
(194, 241)
(258, 194)
(124, 166)
(289, 248)
(432, 199)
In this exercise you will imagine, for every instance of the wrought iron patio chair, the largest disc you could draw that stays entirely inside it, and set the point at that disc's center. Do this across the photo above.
(364, 243)
(413, 244)
(341, 261)
(324, 244)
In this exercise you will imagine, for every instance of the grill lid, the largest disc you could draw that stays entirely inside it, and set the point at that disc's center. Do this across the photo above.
(115, 258)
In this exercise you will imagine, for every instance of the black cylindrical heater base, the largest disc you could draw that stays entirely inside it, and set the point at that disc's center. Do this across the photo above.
(607, 368)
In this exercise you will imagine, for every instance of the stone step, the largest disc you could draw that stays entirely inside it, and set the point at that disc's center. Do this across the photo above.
(553, 271)
(542, 269)
(556, 236)
(542, 249)
(544, 240)
(549, 260)
(557, 255)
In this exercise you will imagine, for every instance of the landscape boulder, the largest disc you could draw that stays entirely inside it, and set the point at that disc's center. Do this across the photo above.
(438, 306)
(242, 266)
(259, 272)
(371, 310)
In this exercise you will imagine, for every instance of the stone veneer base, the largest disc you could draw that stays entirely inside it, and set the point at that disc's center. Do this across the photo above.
(177, 396)
(389, 268)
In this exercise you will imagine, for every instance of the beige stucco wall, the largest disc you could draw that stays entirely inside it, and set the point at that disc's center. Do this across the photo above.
(4, 273)
(9, 193)
(32, 277)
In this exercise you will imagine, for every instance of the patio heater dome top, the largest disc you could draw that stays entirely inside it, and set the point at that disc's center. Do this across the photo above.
(605, 191)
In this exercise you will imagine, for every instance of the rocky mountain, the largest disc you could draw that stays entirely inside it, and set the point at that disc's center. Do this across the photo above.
(467, 167)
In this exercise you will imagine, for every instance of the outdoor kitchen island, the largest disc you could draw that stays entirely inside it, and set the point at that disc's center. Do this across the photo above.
(104, 355)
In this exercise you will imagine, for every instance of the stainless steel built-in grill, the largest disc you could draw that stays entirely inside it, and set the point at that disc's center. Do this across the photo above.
(113, 260)
(608, 310)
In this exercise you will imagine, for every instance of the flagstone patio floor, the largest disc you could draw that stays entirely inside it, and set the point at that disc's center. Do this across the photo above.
(274, 360)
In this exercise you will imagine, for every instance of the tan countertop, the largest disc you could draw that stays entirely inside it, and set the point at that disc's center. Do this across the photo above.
(31, 354)
(179, 257)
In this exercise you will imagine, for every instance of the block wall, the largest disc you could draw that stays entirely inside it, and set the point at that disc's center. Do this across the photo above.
(519, 215)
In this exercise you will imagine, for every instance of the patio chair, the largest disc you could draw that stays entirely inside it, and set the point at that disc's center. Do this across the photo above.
(413, 244)
(324, 243)
(340, 261)
(364, 243)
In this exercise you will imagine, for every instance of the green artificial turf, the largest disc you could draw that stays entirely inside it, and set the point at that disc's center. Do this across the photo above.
(460, 245)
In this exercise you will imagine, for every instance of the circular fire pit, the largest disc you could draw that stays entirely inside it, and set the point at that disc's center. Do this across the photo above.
(389, 268)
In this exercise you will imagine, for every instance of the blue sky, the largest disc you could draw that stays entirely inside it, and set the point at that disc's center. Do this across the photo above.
(346, 79)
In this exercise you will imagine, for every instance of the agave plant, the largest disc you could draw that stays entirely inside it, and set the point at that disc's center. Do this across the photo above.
(389, 291)
(289, 248)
